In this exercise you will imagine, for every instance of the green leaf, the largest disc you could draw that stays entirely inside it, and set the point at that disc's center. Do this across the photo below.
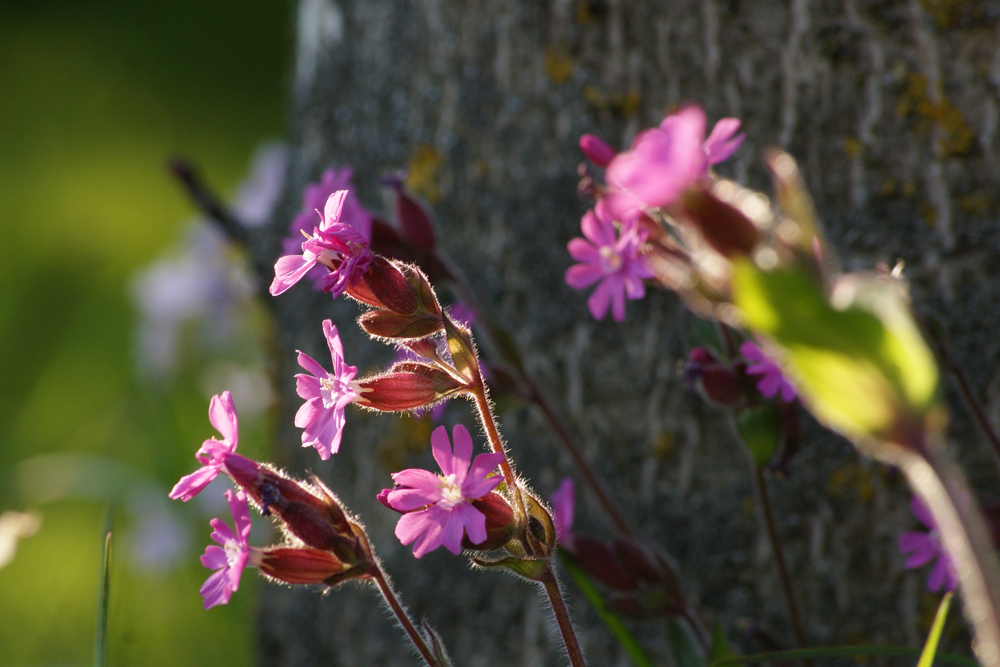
(720, 649)
(760, 429)
(103, 598)
(683, 645)
(862, 368)
(615, 625)
(934, 636)
(844, 652)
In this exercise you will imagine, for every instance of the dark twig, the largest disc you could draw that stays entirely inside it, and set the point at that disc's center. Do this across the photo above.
(205, 199)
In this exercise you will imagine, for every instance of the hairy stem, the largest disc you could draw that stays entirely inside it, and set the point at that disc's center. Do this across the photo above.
(397, 609)
(787, 588)
(562, 618)
(533, 393)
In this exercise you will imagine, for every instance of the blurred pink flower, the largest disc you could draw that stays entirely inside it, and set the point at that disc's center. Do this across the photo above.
(664, 161)
(335, 245)
(438, 508)
(326, 394)
(215, 455)
(772, 381)
(228, 560)
(924, 547)
(617, 263)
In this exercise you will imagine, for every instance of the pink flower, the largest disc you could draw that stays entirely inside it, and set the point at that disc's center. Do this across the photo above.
(334, 245)
(314, 197)
(772, 381)
(216, 456)
(228, 560)
(925, 547)
(326, 394)
(617, 262)
(438, 508)
(596, 150)
(563, 505)
(664, 161)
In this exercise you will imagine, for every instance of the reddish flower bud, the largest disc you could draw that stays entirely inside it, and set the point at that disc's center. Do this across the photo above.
(501, 524)
(383, 285)
(386, 324)
(721, 223)
(418, 229)
(601, 563)
(596, 150)
(300, 565)
(716, 380)
(408, 385)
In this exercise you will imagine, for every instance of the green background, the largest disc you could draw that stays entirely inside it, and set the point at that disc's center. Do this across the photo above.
(94, 97)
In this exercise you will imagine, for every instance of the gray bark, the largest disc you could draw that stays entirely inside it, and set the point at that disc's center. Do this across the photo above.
(891, 108)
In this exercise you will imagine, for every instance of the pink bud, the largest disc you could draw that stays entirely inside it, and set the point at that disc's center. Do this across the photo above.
(501, 524)
(397, 392)
(301, 565)
(596, 150)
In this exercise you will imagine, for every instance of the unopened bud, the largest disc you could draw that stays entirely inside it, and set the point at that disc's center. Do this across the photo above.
(300, 565)
(501, 524)
(596, 150)
(407, 386)
(716, 380)
(384, 286)
(386, 324)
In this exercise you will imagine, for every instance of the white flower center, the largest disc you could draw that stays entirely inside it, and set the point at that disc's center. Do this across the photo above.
(233, 551)
(611, 261)
(332, 390)
(451, 493)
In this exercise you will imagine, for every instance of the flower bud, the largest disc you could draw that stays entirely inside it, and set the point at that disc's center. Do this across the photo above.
(406, 386)
(416, 224)
(596, 150)
(300, 565)
(501, 524)
(386, 324)
(384, 286)
(716, 380)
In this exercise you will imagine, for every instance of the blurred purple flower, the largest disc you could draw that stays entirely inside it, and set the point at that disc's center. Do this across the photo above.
(617, 263)
(563, 506)
(924, 547)
(314, 198)
(259, 192)
(772, 381)
(228, 560)
(438, 508)
(664, 161)
(326, 394)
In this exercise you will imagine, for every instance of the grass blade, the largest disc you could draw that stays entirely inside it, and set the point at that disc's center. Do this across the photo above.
(934, 636)
(845, 652)
(103, 597)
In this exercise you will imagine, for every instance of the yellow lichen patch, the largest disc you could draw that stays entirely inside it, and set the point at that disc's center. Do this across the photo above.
(558, 64)
(422, 173)
(622, 104)
(664, 444)
(407, 439)
(956, 137)
(979, 202)
(853, 147)
(946, 12)
(849, 478)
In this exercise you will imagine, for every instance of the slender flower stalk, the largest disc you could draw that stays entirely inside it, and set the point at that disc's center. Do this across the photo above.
(563, 619)
(399, 612)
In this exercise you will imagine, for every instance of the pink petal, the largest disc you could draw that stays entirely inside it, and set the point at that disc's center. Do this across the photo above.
(721, 143)
(453, 529)
(581, 276)
(922, 546)
(472, 520)
(463, 453)
(407, 500)
(311, 365)
(596, 150)
(334, 205)
(417, 478)
(333, 340)
(308, 413)
(599, 230)
(441, 448)
(599, 301)
(216, 589)
(482, 466)
(222, 415)
(214, 557)
(583, 251)
(289, 270)
(191, 485)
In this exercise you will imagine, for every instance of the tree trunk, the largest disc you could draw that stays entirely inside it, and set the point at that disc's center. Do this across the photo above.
(890, 108)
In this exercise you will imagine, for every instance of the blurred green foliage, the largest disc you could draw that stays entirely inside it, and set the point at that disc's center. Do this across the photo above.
(95, 96)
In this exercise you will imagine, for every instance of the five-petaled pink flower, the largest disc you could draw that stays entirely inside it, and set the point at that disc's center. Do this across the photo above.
(772, 381)
(326, 394)
(924, 547)
(335, 245)
(314, 197)
(438, 508)
(228, 560)
(664, 161)
(216, 455)
(617, 262)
